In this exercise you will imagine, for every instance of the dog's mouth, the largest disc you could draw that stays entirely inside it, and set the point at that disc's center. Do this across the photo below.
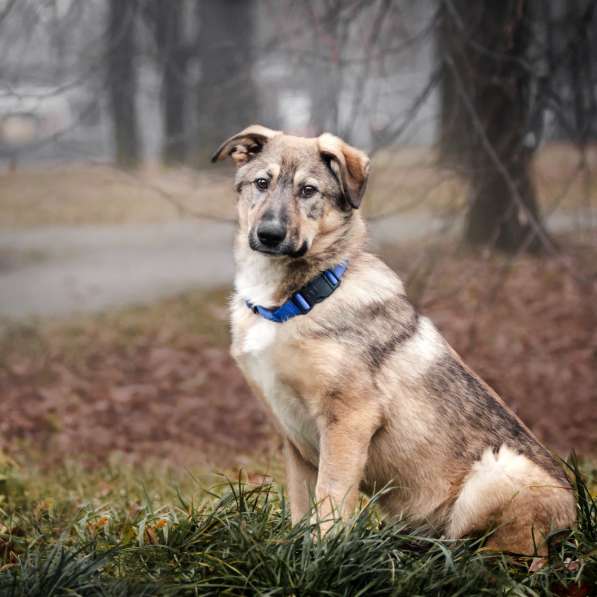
(284, 249)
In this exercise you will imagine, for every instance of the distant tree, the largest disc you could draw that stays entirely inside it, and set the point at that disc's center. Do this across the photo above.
(328, 36)
(167, 22)
(571, 68)
(226, 94)
(122, 79)
(488, 117)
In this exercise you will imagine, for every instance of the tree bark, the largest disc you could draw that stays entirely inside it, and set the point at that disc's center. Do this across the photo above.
(168, 23)
(226, 95)
(122, 82)
(486, 116)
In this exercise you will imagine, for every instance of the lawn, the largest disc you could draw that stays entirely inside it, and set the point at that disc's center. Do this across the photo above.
(402, 179)
(123, 531)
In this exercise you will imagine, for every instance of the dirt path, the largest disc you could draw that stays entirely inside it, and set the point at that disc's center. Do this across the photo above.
(60, 270)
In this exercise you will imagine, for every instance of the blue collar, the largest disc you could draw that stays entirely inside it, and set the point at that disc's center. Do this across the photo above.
(304, 299)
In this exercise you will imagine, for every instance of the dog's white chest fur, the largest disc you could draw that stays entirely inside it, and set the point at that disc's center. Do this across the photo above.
(256, 359)
(256, 346)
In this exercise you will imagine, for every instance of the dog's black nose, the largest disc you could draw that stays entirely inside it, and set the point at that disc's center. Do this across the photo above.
(271, 234)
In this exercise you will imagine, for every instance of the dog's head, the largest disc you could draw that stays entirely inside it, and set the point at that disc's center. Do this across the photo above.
(295, 194)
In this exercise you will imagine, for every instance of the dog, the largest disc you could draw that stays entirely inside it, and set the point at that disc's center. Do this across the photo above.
(366, 392)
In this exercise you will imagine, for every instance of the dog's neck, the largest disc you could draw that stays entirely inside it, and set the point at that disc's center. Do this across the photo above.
(269, 281)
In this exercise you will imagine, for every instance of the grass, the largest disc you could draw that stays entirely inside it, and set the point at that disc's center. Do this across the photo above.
(197, 312)
(404, 178)
(119, 532)
(81, 194)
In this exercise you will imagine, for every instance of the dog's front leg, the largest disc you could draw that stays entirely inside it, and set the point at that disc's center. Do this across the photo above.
(344, 443)
(301, 477)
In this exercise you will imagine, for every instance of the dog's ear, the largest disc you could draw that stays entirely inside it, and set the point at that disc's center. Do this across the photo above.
(350, 165)
(245, 145)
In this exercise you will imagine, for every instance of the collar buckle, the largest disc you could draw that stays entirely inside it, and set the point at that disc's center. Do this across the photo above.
(318, 289)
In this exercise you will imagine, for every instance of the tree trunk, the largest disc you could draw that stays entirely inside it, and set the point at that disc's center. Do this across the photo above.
(486, 112)
(226, 95)
(122, 81)
(168, 20)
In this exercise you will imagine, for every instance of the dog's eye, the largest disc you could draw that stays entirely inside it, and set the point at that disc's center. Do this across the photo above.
(308, 191)
(262, 184)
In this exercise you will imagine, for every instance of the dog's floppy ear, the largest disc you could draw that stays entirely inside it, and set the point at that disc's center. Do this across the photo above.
(245, 145)
(350, 165)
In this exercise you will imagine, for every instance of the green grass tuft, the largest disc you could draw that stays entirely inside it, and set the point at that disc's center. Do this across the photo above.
(238, 540)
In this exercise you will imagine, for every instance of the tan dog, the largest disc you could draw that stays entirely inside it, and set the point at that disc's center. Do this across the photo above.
(366, 391)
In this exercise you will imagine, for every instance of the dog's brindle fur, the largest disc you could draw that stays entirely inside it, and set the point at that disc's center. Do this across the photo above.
(366, 392)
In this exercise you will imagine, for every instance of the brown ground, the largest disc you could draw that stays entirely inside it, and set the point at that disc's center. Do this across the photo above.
(151, 382)
(157, 382)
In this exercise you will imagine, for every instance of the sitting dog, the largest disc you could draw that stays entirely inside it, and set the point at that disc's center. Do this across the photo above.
(365, 390)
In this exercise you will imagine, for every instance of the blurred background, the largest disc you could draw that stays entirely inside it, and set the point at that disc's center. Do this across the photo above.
(116, 232)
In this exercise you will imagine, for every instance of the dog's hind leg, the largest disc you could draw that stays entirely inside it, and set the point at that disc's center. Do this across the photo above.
(511, 494)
